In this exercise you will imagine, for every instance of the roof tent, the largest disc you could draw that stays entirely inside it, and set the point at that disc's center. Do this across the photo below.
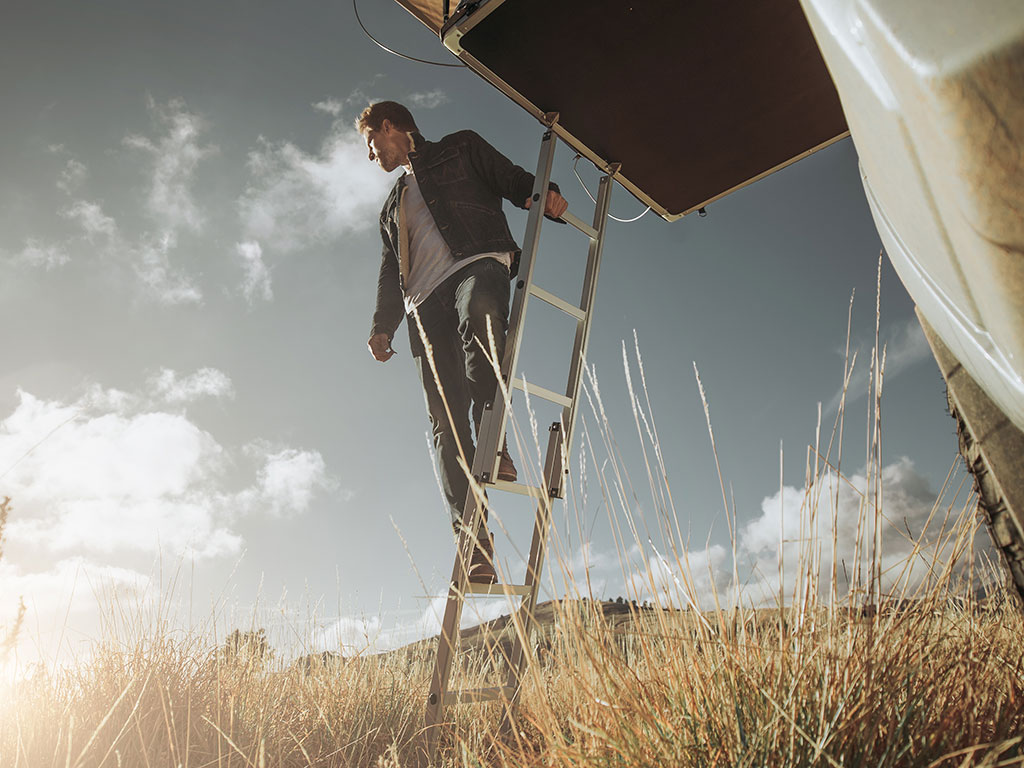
(693, 99)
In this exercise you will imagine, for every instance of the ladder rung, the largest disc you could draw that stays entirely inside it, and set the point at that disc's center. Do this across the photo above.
(562, 304)
(478, 695)
(497, 589)
(520, 488)
(583, 227)
(539, 391)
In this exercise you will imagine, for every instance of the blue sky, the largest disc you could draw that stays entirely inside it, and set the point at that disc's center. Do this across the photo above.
(189, 248)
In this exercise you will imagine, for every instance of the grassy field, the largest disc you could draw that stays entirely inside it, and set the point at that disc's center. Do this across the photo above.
(929, 683)
(837, 670)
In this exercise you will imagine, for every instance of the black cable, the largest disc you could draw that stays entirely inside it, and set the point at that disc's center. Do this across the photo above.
(396, 53)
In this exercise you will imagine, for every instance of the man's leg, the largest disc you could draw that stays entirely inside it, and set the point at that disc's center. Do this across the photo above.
(449, 434)
(448, 409)
(482, 295)
(481, 299)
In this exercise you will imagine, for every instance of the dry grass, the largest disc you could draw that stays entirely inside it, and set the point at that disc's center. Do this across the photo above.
(842, 671)
(935, 683)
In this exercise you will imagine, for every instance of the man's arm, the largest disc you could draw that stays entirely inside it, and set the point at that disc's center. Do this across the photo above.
(509, 180)
(390, 308)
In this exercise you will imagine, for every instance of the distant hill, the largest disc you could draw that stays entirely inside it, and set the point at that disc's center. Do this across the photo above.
(497, 636)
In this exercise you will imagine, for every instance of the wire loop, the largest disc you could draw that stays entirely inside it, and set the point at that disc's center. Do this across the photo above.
(594, 200)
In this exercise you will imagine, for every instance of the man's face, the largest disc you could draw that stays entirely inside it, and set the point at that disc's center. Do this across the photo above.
(385, 146)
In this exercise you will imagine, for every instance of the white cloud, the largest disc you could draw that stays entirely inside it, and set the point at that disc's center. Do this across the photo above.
(159, 278)
(96, 526)
(109, 400)
(331, 106)
(287, 481)
(293, 199)
(72, 176)
(357, 99)
(256, 278)
(70, 592)
(91, 218)
(296, 199)
(589, 572)
(360, 634)
(831, 509)
(46, 255)
(176, 155)
(912, 549)
(905, 345)
(351, 635)
(585, 558)
(108, 479)
(112, 481)
(691, 581)
(149, 257)
(111, 472)
(427, 99)
(694, 577)
(169, 387)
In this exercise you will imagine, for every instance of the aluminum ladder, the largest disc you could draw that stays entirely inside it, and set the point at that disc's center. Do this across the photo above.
(488, 449)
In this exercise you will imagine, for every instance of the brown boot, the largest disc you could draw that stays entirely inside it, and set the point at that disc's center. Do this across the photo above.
(481, 564)
(506, 469)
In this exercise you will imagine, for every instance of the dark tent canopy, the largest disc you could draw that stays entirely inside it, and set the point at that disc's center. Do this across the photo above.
(693, 99)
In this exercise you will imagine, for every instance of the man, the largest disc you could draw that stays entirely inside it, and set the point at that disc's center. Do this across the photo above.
(449, 256)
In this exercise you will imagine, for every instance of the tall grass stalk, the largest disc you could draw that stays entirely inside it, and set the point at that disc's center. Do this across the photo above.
(9, 634)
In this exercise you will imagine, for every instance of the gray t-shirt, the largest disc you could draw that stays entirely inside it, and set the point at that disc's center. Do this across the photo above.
(430, 260)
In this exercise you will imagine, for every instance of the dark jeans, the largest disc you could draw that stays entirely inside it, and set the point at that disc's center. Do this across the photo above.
(454, 317)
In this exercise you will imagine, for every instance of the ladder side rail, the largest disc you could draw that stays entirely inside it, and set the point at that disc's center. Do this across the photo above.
(447, 640)
(449, 635)
(589, 294)
(485, 459)
(523, 617)
(492, 426)
(558, 446)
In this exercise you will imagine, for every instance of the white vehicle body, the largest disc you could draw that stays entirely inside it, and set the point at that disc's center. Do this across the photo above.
(933, 92)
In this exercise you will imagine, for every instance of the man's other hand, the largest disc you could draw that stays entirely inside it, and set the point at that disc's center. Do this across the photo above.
(380, 347)
(554, 206)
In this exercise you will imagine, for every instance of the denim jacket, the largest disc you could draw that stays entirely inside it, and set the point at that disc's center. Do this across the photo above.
(463, 180)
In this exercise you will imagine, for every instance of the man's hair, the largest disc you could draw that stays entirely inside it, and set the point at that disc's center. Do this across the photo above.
(374, 116)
